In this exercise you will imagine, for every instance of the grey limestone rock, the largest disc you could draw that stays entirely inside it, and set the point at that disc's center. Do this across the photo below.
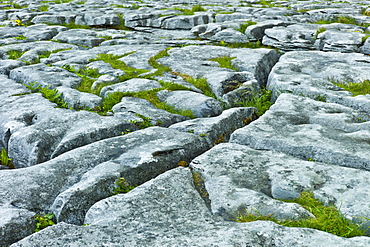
(340, 41)
(257, 31)
(15, 224)
(34, 131)
(130, 108)
(199, 104)
(311, 74)
(230, 35)
(218, 129)
(292, 37)
(132, 85)
(186, 22)
(79, 100)
(168, 211)
(310, 129)
(7, 65)
(236, 175)
(365, 49)
(257, 61)
(81, 37)
(99, 18)
(45, 76)
(57, 19)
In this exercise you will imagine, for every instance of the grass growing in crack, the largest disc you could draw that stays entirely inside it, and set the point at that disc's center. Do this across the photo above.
(320, 30)
(15, 54)
(260, 101)
(195, 8)
(20, 37)
(360, 88)
(51, 94)
(44, 8)
(252, 45)
(122, 186)
(342, 19)
(327, 218)
(245, 25)
(224, 62)
(43, 221)
(5, 160)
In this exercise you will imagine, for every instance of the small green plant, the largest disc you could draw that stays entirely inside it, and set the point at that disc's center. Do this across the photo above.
(360, 88)
(245, 25)
(225, 62)
(122, 186)
(339, 19)
(195, 8)
(4, 159)
(260, 101)
(44, 8)
(145, 123)
(320, 97)
(327, 218)
(252, 45)
(203, 135)
(127, 131)
(51, 94)
(14, 54)
(20, 37)
(320, 30)
(43, 221)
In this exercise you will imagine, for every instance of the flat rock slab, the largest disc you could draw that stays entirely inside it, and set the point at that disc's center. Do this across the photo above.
(168, 211)
(131, 108)
(213, 128)
(69, 184)
(310, 129)
(311, 74)
(199, 104)
(33, 131)
(238, 178)
(257, 61)
(45, 76)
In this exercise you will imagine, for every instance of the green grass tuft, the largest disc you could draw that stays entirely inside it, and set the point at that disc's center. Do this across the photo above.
(327, 218)
(245, 25)
(225, 62)
(260, 101)
(360, 88)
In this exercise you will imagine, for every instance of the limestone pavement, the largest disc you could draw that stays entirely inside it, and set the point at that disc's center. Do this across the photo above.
(157, 92)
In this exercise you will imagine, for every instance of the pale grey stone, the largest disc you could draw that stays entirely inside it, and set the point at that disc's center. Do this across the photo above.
(100, 18)
(365, 49)
(199, 104)
(49, 19)
(7, 65)
(79, 100)
(233, 17)
(257, 31)
(186, 22)
(80, 37)
(257, 61)
(310, 129)
(15, 224)
(168, 211)
(218, 129)
(105, 68)
(292, 37)
(230, 36)
(310, 74)
(132, 85)
(234, 175)
(340, 41)
(45, 76)
(130, 108)
(104, 80)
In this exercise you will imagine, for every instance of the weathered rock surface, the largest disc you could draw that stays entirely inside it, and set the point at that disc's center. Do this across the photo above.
(199, 104)
(312, 74)
(67, 161)
(171, 200)
(309, 129)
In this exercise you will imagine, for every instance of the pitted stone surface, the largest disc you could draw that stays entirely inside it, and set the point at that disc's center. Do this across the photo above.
(163, 52)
